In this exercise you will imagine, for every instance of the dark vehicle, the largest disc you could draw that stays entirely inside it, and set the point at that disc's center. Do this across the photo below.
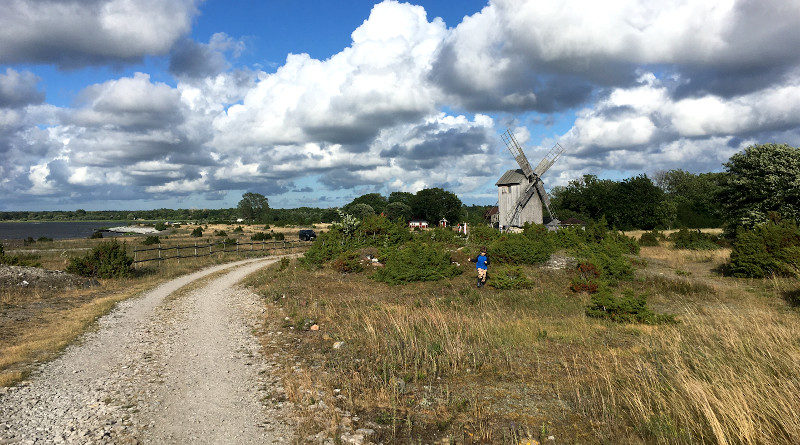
(307, 235)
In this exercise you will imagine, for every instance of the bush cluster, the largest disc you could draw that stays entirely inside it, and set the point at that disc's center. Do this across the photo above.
(769, 249)
(348, 262)
(261, 236)
(516, 248)
(416, 261)
(626, 308)
(651, 238)
(106, 260)
(510, 277)
(197, 232)
(238, 229)
(97, 234)
(694, 240)
(150, 240)
(220, 233)
(160, 226)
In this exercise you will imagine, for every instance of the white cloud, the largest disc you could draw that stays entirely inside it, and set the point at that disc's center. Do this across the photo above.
(73, 33)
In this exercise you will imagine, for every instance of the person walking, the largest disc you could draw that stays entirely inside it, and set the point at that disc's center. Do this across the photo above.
(481, 265)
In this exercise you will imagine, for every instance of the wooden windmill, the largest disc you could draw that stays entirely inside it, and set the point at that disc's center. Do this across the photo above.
(521, 192)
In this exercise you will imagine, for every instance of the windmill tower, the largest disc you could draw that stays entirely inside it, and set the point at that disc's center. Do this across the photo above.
(520, 192)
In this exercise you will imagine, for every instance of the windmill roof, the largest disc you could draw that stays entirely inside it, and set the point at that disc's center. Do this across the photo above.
(512, 177)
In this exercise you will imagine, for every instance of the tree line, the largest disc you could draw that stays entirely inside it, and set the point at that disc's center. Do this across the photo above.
(758, 184)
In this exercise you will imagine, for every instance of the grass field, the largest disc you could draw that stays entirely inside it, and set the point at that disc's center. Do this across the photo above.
(37, 323)
(446, 361)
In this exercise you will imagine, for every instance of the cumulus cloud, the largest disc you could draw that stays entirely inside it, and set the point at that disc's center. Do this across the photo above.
(548, 56)
(645, 128)
(198, 60)
(74, 33)
(19, 88)
(378, 81)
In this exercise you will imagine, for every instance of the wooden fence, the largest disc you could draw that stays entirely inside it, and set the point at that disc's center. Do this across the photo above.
(161, 253)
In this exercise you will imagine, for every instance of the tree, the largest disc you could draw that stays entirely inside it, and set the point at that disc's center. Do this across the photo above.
(693, 197)
(254, 207)
(435, 203)
(361, 210)
(375, 200)
(758, 181)
(404, 197)
(398, 210)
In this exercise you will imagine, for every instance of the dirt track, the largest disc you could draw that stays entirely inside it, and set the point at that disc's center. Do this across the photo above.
(159, 370)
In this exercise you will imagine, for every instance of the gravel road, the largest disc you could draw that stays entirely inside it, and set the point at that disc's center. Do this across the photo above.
(159, 370)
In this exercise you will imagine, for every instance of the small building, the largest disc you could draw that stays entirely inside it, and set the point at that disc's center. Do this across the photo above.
(572, 222)
(493, 216)
(443, 222)
(418, 223)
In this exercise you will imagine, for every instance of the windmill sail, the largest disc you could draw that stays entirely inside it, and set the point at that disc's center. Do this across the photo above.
(549, 159)
(516, 150)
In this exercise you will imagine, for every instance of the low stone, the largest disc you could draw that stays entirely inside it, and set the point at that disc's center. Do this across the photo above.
(314, 327)
(338, 345)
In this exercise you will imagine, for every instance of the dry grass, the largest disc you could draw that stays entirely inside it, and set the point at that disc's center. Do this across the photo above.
(428, 361)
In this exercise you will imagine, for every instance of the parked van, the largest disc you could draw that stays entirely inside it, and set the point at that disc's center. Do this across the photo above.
(307, 235)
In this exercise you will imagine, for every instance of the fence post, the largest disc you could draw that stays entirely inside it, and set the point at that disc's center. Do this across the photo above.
(237, 246)
(159, 252)
(195, 249)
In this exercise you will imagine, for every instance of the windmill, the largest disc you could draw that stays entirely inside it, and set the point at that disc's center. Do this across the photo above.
(521, 192)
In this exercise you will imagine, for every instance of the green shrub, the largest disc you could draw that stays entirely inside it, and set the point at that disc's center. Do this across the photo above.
(28, 241)
(106, 260)
(284, 263)
(649, 239)
(229, 242)
(482, 234)
(279, 236)
(97, 234)
(416, 261)
(150, 240)
(514, 248)
(326, 247)
(160, 226)
(439, 234)
(19, 260)
(44, 239)
(266, 227)
(238, 229)
(510, 277)
(694, 240)
(609, 258)
(626, 308)
(261, 236)
(197, 232)
(348, 262)
(768, 249)
(568, 237)
(220, 233)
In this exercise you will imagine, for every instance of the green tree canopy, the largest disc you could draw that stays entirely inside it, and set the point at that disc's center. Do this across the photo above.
(435, 203)
(404, 197)
(634, 203)
(398, 210)
(693, 197)
(254, 207)
(762, 179)
(361, 210)
(375, 200)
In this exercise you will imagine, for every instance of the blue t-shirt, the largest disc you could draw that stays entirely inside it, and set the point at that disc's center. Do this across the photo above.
(482, 262)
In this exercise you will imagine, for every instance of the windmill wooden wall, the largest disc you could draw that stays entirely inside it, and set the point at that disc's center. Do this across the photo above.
(507, 196)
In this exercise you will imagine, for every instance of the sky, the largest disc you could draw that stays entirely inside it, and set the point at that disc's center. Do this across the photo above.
(139, 104)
